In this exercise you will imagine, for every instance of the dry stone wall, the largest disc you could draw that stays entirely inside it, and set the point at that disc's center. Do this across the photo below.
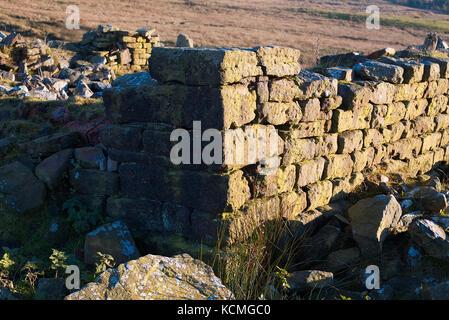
(329, 133)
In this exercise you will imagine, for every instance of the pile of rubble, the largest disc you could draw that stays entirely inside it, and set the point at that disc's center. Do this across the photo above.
(28, 69)
(401, 230)
(120, 50)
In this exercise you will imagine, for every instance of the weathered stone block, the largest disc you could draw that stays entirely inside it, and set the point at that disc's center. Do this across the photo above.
(343, 186)
(285, 90)
(20, 189)
(351, 120)
(371, 221)
(48, 145)
(431, 142)
(412, 91)
(310, 171)
(354, 94)
(396, 112)
(51, 169)
(286, 178)
(278, 113)
(279, 61)
(90, 157)
(415, 108)
(362, 159)
(297, 149)
(420, 164)
(327, 144)
(311, 110)
(405, 149)
(437, 88)
(378, 71)
(350, 141)
(180, 105)
(203, 66)
(114, 239)
(339, 73)
(413, 71)
(443, 63)
(338, 166)
(319, 194)
(314, 85)
(394, 132)
(311, 129)
(331, 103)
(293, 203)
(422, 125)
(240, 225)
(121, 137)
(96, 182)
(372, 138)
(437, 105)
(200, 190)
(145, 216)
(445, 138)
(431, 71)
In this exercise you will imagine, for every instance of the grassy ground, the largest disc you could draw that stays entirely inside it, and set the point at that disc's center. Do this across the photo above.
(316, 27)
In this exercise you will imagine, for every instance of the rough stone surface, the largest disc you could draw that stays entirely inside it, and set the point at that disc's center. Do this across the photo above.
(51, 169)
(431, 237)
(156, 278)
(114, 239)
(20, 190)
(371, 221)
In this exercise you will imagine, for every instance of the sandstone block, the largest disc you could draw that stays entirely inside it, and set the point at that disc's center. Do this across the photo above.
(203, 66)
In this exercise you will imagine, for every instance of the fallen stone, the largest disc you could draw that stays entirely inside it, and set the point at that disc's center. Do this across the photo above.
(431, 237)
(310, 279)
(428, 199)
(48, 145)
(372, 220)
(318, 247)
(156, 278)
(51, 169)
(20, 189)
(113, 239)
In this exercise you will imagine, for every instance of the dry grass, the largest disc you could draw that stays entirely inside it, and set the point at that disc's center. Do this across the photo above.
(290, 23)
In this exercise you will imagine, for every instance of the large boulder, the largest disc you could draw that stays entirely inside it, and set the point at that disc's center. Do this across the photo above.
(372, 220)
(431, 237)
(20, 189)
(156, 278)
